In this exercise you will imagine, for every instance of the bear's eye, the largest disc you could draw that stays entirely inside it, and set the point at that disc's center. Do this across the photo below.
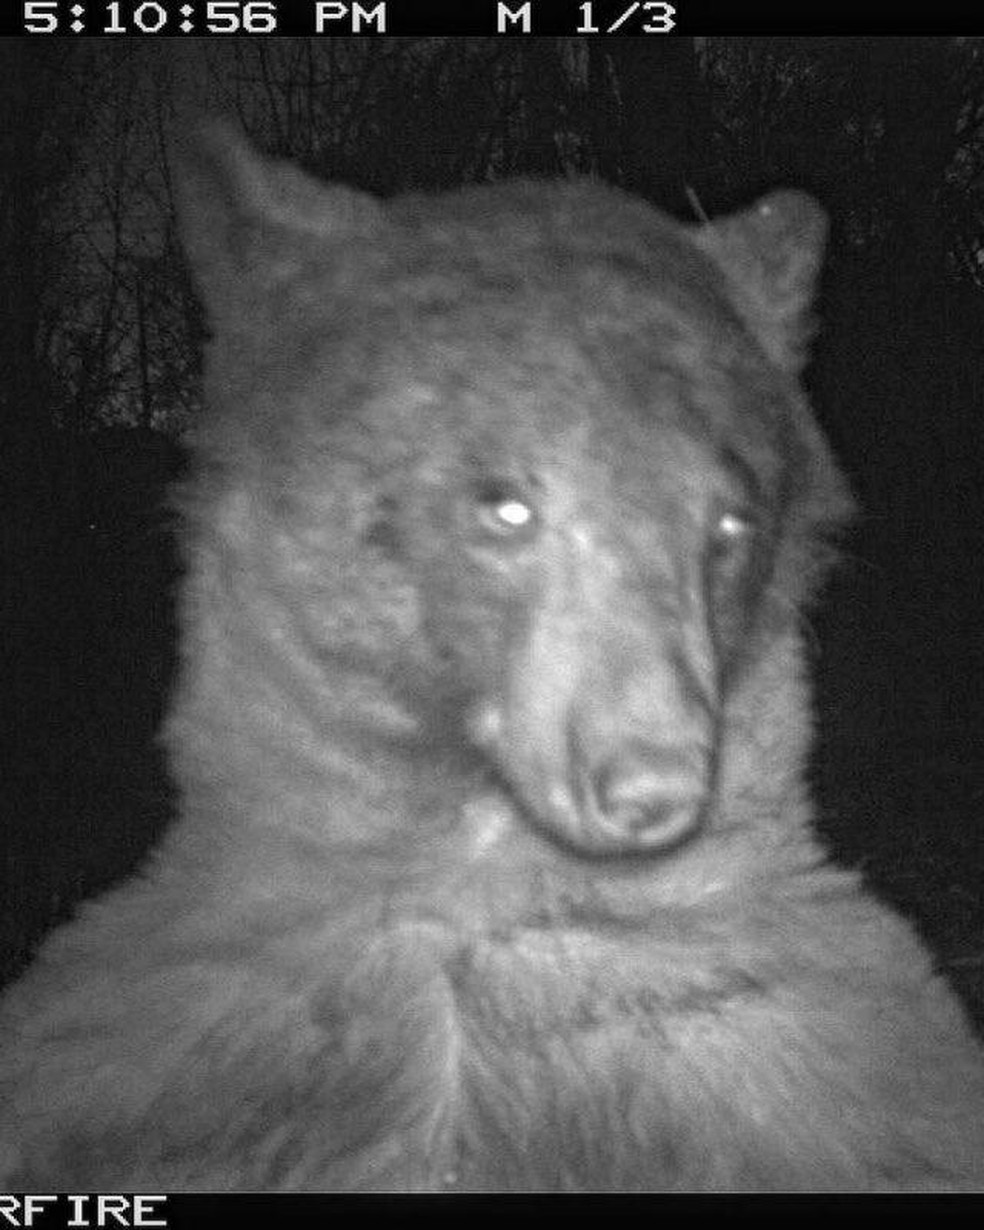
(503, 509)
(733, 530)
(735, 560)
(730, 551)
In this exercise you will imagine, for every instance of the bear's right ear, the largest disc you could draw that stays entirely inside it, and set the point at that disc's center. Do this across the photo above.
(771, 256)
(250, 224)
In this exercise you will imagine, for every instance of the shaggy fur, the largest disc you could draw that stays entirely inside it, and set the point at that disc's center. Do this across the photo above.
(493, 868)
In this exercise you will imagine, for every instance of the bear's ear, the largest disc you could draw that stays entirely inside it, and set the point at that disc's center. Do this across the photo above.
(250, 224)
(771, 255)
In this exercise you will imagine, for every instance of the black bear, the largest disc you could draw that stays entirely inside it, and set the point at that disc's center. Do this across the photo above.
(494, 866)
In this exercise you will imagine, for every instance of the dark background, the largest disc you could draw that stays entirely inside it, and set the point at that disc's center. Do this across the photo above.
(100, 340)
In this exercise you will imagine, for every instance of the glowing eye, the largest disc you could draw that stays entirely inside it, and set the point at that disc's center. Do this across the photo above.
(732, 527)
(503, 510)
(732, 538)
(513, 513)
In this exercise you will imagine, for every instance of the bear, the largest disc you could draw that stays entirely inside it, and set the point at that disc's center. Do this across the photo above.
(494, 867)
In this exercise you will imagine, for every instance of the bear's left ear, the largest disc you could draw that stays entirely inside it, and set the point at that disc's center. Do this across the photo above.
(251, 224)
(771, 255)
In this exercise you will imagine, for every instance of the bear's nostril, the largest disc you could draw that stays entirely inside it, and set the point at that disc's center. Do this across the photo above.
(648, 798)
